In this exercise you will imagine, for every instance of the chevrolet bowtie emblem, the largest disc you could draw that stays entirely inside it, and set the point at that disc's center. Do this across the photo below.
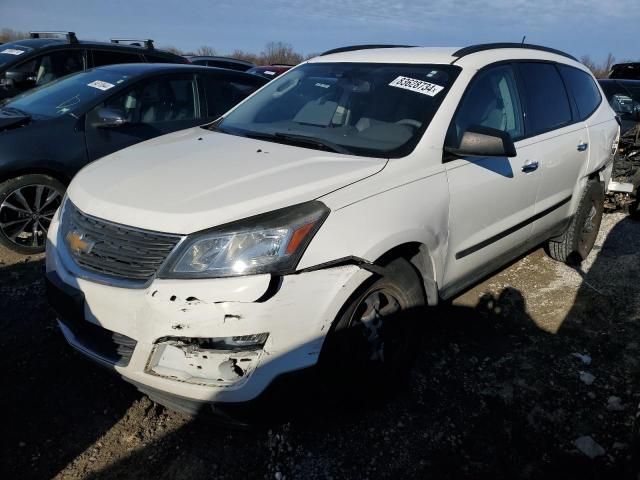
(78, 244)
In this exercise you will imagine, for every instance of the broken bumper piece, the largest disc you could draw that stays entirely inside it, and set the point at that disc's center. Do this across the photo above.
(201, 361)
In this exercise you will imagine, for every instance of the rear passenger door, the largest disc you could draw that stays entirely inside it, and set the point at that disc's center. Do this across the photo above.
(223, 91)
(559, 139)
(492, 199)
(152, 107)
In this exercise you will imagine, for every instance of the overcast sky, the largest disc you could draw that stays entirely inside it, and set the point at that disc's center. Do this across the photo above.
(577, 26)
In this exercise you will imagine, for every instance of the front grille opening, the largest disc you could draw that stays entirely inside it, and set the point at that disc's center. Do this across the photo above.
(115, 250)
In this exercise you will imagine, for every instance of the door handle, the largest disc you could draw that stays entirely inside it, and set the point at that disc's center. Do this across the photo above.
(582, 147)
(530, 167)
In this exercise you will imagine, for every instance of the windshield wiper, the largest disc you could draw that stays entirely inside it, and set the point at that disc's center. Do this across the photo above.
(297, 139)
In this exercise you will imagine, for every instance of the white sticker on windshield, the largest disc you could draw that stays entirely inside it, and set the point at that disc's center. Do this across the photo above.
(12, 51)
(269, 72)
(415, 85)
(100, 85)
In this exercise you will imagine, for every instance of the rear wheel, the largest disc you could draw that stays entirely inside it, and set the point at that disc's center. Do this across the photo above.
(373, 342)
(27, 206)
(576, 242)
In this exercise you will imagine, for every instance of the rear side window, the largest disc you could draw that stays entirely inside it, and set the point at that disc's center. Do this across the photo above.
(546, 103)
(157, 59)
(225, 92)
(104, 57)
(583, 88)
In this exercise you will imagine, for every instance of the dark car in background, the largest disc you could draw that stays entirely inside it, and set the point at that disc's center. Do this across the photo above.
(49, 133)
(270, 71)
(221, 62)
(36, 61)
(627, 71)
(624, 98)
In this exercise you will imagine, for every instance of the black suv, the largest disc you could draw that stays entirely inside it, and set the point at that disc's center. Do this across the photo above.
(32, 62)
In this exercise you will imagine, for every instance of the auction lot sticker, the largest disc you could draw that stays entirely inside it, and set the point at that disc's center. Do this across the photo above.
(419, 86)
(12, 51)
(100, 85)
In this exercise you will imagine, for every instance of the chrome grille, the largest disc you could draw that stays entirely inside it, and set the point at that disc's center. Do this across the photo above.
(115, 250)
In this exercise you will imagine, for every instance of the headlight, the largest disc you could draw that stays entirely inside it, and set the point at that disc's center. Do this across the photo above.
(269, 243)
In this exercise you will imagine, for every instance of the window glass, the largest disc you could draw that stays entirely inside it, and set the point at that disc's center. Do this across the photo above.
(224, 92)
(70, 94)
(583, 88)
(491, 101)
(370, 109)
(156, 101)
(546, 103)
(156, 58)
(104, 57)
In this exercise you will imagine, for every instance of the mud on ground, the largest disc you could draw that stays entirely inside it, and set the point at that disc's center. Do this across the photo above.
(513, 376)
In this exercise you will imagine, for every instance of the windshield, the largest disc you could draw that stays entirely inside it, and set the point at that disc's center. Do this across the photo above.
(367, 109)
(12, 51)
(67, 94)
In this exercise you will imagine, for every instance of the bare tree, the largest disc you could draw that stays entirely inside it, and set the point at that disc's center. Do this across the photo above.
(206, 51)
(9, 35)
(599, 70)
(280, 52)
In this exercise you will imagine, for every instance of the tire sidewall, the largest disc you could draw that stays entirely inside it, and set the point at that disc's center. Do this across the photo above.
(583, 242)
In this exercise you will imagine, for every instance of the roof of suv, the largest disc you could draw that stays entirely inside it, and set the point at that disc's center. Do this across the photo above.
(476, 55)
(40, 43)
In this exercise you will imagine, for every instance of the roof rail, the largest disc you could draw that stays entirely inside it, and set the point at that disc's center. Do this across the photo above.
(493, 46)
(70, 36)
(362, 47)
(148, 43)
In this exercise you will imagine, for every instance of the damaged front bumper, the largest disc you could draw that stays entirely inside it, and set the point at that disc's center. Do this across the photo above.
(200, 341)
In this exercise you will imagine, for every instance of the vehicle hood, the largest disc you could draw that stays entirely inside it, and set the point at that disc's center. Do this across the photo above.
(196, 179)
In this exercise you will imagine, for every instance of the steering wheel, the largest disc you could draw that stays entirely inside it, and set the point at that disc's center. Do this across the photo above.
(410, 122)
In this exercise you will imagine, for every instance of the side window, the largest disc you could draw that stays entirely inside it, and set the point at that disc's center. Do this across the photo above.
(155, 58)
(583, 88)
(157, 101)
(105, 57)
(224, 92)
(545, 97)
(491, 101)
(51, 66)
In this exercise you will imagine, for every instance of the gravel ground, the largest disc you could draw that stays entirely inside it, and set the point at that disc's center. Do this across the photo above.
(534, 372)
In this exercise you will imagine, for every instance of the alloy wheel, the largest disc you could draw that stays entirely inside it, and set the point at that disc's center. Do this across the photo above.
(26, 214)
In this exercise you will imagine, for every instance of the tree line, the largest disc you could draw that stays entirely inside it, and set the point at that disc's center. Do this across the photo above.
(281, 52)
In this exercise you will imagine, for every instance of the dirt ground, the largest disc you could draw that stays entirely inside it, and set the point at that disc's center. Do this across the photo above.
(513, 377)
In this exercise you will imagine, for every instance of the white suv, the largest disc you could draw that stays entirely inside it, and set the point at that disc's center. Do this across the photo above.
(301, 227)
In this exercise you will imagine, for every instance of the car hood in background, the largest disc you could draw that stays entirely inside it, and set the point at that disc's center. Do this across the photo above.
(196, 179)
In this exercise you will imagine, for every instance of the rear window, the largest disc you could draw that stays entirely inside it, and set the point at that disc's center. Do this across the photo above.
(583, 88)
(105, 57)
(546, 102)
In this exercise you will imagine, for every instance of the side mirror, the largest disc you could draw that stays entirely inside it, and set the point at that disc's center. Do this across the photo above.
(109, 118)
(479, 141)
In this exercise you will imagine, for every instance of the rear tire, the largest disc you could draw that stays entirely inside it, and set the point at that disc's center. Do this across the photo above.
(27, 205)
(372, 344)
(574, 245)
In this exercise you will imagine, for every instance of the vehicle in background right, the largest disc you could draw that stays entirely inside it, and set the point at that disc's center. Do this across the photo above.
(624, 98)
(627, 71)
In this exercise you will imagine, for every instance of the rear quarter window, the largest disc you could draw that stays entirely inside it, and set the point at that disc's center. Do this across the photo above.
(583, 88)
(106, 57)
(545, 97)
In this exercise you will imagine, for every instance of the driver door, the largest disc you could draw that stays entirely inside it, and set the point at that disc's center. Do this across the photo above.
(151, 108)
(492, 199)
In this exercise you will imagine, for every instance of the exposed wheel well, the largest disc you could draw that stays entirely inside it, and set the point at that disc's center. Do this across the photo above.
(418, 255)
